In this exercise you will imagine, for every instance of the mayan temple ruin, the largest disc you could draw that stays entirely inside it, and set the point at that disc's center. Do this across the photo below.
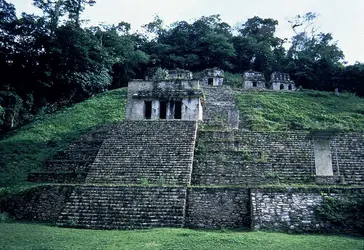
(184, 157)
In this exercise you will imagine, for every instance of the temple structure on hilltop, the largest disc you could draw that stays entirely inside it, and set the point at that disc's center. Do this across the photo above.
(163, 168)
(256, 80)
(177, 94)
(177, 97)
(212, 77)
(253, 79)
(281, 81)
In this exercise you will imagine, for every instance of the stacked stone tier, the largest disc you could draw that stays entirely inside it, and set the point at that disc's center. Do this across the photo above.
(80, 153)
(146, 152)
(120, 207)
(255, 158)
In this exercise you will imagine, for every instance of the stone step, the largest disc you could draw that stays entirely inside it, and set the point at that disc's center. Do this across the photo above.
(152, 150)
(124, 207)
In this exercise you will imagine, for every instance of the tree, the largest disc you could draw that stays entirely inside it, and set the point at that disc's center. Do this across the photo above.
(261, 30)
(54, 10)
(126, 59)
(7, 37)
(351, 78)
(75, 8)
(257, 47)
(314, 57)
(45, 60)
(202, 44)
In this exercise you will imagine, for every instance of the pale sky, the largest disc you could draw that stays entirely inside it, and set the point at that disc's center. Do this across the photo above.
(343, 18)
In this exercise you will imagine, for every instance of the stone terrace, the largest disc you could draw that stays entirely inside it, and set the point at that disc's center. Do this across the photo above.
(80, 154)
(251, 158)
(137, 153)
(104, 207)
(255, 158)
(140, 152)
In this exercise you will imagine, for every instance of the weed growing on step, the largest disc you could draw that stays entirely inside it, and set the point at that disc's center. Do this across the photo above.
(161, 181)
(144, 181)
(263, 157)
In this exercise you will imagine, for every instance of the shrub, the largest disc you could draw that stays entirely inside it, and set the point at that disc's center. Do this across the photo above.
(342, 213)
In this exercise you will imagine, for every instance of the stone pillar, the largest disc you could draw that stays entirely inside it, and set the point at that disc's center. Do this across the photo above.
(155, 109)
(191, 109)
(233, 118)
(170, 110)
(323, 158)
(184, 109)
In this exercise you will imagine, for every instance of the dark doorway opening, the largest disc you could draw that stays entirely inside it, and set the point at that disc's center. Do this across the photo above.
(147, 109)
(163, 110)
(211, 81)
(255, 84)
(290, 87)
(281, 86)
(178, 110)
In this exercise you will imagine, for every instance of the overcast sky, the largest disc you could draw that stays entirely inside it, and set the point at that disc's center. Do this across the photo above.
(343, 18)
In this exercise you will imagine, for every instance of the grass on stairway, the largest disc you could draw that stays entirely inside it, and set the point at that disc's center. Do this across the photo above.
(36, 236)
(26, 149)
(308, 109)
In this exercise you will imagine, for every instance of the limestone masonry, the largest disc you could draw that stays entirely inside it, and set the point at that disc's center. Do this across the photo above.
(185, 158)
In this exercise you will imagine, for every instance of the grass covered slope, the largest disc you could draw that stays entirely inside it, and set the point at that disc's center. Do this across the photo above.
(309, 110)
(31, 236)
(27, 148)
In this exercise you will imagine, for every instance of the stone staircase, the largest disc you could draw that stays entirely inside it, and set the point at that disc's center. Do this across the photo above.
(80, 154)
(220, 111)
(72, 164)
(115, 207)
(126, 184)
(146, 152)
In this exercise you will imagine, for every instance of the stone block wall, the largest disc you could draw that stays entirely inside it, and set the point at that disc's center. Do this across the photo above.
(238, 158)
(42, 204)
(293, 209)
(107, 207)
(348, 157)
(218, 208)
(220, 110)
(126, 207)
(212, 77)
(282, 86)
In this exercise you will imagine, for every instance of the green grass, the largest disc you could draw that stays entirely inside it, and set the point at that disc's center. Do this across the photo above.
(27, 148)
(32, 236)
(309, 110)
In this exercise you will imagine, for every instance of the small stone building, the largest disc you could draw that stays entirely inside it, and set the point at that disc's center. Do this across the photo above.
(164, 100)
(179, 74)
(253, 80)
(212, 77)
(281, 81)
